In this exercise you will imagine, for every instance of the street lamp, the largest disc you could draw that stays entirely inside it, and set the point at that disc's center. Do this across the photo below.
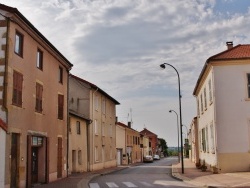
(163, 66)
(177, 132)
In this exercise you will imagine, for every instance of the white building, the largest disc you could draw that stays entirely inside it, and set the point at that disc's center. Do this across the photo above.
(223, 104)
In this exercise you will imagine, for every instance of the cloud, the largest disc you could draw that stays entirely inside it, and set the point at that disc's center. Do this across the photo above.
(119, 45)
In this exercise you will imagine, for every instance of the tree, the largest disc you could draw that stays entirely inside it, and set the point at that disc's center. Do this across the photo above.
(163, 146)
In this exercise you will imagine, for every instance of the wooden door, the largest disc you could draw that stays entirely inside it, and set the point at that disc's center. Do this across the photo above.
(59, 158)
(14, 160)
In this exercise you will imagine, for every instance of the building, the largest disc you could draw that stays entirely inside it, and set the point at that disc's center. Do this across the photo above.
(223, 105)
(154, 141)
(96, 105)
(121, 156)
(3, 130)
(133, 151)
(146, 149)
(194, 142)
(34, 81)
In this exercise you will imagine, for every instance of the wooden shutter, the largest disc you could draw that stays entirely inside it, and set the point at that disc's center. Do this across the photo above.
(17, 88)
(60, 106)
(39, 96)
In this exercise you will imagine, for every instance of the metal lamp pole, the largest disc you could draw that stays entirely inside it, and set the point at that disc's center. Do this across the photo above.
(177, 133)
(163, 66)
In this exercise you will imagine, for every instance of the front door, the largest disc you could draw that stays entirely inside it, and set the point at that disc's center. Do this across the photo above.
(14, 160)
(34, 165)
(59, 158)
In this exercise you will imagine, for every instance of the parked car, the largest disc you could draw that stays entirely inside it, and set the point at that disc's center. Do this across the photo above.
(156, 157)
(148, 158)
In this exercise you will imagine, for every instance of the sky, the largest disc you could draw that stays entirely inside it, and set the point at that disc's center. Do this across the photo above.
(119, 45)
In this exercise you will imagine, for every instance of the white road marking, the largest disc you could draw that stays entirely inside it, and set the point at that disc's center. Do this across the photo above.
(94, 185)
(129, 184)
(146, 184)
(111, 184)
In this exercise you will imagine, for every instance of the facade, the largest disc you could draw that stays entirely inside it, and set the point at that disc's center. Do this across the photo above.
(145, 145)
(3, 130)
(121, 145)
(96, 105)
(132, 144)
(78, 153)
(194, 142)
(223, 95)
(154, 141)
(34, 81)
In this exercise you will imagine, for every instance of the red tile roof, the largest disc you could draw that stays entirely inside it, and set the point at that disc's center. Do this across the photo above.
(237, 52)
(241, 51)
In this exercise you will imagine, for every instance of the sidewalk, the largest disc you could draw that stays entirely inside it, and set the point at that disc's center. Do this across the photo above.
(79, 180)
(196, 177)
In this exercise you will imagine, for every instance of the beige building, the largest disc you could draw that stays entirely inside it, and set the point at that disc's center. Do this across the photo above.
(133, 151)
(78, 156)
(223, 95)
(147, 150)
(121, 156)
(95, 104)
(193, 141)
(33, 99)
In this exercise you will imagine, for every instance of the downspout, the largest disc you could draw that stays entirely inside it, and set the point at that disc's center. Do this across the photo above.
(68, 124)
(6, 72)
(93, 132)
(88, 147)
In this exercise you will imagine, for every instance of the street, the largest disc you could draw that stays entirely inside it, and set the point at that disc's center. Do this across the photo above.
(156, 174)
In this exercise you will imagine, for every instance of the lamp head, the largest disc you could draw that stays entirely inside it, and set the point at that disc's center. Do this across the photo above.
(163, 66)
(170, 111)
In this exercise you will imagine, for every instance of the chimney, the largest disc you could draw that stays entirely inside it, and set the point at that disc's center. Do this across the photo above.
(230, 45)
(129, 124)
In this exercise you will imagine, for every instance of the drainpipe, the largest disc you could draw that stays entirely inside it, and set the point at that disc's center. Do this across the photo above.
(93, 132)
(68, 124)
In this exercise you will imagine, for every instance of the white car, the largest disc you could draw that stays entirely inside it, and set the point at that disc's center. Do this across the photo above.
(148, 158)
(156, 157)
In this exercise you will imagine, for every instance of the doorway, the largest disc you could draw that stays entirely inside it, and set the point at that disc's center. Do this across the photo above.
(34, 165)
(14, 160)
(59, 158)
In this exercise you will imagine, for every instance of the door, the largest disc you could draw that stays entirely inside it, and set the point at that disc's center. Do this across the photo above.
(118, 157)
(59, 158)
(14, 160)
(34, 165)
(73, 160)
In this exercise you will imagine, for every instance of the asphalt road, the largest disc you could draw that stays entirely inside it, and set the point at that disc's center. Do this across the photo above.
(156, 174)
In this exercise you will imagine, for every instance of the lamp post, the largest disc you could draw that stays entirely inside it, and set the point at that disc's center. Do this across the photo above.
(177, 132)
(164, 66)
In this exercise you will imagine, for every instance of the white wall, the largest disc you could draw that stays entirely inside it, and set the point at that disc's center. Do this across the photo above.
(2, 156)
(232, 108)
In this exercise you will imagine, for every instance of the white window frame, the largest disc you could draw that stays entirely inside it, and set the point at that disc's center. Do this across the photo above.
(96, 127)
(96, 154)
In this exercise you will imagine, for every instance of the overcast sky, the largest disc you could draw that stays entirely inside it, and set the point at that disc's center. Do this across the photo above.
(119, 44)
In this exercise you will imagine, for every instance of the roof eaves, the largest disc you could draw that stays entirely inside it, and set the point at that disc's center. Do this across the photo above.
(15, 11)
(95, 87)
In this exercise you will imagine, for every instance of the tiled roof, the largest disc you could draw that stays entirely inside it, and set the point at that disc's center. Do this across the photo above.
(237, 52)
(95, 87)
(241, 51)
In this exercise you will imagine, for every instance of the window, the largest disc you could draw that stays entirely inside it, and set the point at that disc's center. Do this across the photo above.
(212, 137)
(39, 98)
(96, 127)
(19, 44)
(103, 106)
(96, 102)
(111, 153)
(17, 88)
(248, 84)
(201, 104)
(60, 106)
(96, 154)
(60, 75)
(39, 59)
(80, 157)
(110, 130)
(78, 127)
(198, 107)
(205, 99)
(103, 129)
(207, 146)
(210, 90)
(203, 137)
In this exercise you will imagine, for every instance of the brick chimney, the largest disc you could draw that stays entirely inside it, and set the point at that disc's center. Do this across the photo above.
(129, 124)
(230, 45)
